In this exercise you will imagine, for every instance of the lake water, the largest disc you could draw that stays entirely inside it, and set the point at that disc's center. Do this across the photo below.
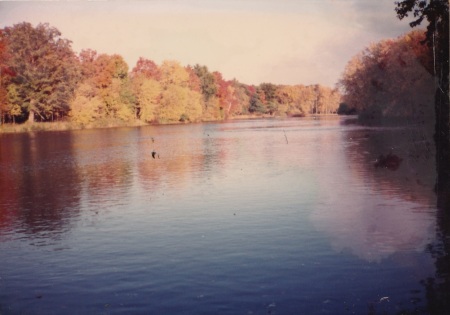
(277, 216)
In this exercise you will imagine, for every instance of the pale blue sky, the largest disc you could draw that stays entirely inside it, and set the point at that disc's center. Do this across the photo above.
(278, 41)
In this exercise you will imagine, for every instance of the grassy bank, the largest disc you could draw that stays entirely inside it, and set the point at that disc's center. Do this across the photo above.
(65, 125)
(103, 123)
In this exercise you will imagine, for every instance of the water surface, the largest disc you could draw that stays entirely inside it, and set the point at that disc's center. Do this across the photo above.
(246, 217)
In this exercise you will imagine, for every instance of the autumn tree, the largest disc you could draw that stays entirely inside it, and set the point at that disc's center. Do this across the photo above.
(147, 94)
(390, 79)
(194, 80)
(178, 102)
(435, 12)
(309, 96)
(327, 99)
(105, 90)
(86, 106)
(291, 100)
(87, 58)
(241, 99)
(147, 68)
(146, 88)
(148, 97)
(46, 70)
(172, 73)
(437, 39)
(5, 76)
(225, 94)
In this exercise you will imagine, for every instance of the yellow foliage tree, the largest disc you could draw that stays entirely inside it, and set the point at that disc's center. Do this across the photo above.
(148, 96)
(117, 104)
(179, 104)
(84, 110)
(172, 100)
(194, 106)
(172, 73)
(86, 107)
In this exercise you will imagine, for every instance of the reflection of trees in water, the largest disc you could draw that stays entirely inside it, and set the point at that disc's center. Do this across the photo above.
(438, 287)
(40, 183)
(172, 165)
(105, 164)
(184, 151)
(107, 181)
(415, 176)
(415, 179)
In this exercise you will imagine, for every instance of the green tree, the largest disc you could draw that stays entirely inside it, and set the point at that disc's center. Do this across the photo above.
(256, 105)
(207, 82)
(46, 70)
(269, 91)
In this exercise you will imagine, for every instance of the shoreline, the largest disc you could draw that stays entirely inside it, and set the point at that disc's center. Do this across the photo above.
(68, 126)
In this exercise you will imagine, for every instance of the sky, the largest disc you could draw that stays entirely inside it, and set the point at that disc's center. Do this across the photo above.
(253, 41)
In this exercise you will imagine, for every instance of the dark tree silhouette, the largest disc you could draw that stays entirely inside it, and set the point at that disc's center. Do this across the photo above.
(437, 37)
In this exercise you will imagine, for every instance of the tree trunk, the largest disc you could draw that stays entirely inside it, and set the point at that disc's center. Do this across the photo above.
(442, 127)
(442, 140)
(31, 117)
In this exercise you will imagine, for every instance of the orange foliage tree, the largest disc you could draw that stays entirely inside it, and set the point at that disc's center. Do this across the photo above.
(105, 91)
(391, 79)
(46, 71)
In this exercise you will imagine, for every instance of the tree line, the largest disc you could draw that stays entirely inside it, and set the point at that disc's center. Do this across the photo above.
(43, 79)
(392, 78)
(407, 77)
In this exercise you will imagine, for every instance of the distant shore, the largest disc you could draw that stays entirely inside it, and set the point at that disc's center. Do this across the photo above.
(105, 123)
(65, 125)
(112, 123)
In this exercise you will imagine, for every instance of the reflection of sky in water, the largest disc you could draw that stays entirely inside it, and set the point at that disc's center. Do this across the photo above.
(373, 227)
(368, 213)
